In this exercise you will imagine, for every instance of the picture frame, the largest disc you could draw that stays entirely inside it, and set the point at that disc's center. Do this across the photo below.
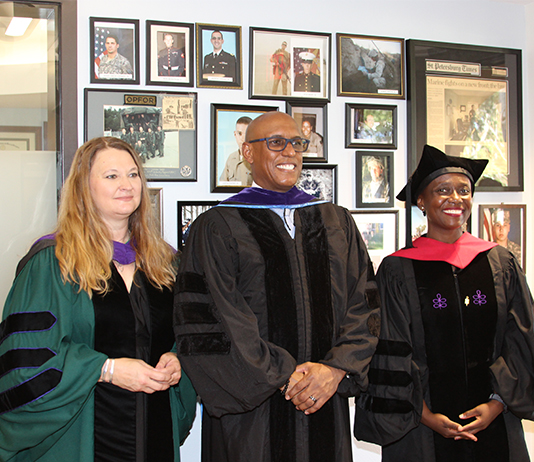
(20, 138)
(117, 37)
(229, 172)
(319, 180)
(226, 69)
(288, 64)
(170, 58)
(506, 225)
(380, 232)
(311, 118)
(374, 184)
(370, 67)
(172, 156)
(485, 83)
(371, 126)
(156, 200)
(188, 212)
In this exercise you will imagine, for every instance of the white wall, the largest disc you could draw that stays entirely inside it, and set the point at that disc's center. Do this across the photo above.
(488, 23)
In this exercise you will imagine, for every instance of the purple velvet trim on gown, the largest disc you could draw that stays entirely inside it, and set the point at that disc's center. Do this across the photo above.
(267, 198)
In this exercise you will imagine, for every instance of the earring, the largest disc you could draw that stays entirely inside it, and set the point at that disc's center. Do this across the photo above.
(424, 211)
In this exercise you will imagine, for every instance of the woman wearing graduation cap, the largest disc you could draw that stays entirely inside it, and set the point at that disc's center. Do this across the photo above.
(453, 374)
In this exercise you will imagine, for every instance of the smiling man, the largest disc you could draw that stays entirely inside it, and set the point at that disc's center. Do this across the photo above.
(276, 312)
(112, 64)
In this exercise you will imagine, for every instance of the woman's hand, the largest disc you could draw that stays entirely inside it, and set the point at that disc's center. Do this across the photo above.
(444, 426)
(136, 375)
(484, 414)
(170, 363)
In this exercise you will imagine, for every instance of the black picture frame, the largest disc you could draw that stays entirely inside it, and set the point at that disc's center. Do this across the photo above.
(311, 118)
(492, 220)
(371, 126)
(277, 70)
(370, 66)
(175, 113)
(126, 31)
(170, 62)
(190, 210)
(382, 193)
(319, 180)
(226, 70)
(230, 173)
(380, 232)
(486, 81)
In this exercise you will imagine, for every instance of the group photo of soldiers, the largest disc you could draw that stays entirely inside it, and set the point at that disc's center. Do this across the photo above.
(140, 127)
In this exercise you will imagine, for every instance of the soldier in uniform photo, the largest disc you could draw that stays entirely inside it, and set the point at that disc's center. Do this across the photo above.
(306, 80)
(316, 141)
(171, 60)
(500, 220)
(236, 167)
(219, 62)
(281, 62)
(113, 65)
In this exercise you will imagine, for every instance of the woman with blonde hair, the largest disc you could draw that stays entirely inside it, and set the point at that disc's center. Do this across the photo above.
(85, 345)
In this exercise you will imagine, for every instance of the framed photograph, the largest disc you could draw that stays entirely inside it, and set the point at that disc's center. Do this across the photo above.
(505, 224)
(370, 126)
(311, 120)
(319, 180)
(187, 214)
(219, 57)
(288, 64)
(370, 66)
(169, 53)
(156, 199)
(161, 126)
(467, 101)
(379, 231)
(114, 52)
(374, 184)
(229, 122)
(15, 138)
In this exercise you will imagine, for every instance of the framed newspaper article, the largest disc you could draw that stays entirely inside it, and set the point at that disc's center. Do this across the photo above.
(466, 101)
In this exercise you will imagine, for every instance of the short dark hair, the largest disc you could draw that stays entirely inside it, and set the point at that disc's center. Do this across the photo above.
(244, 120)
(218, 32)
(114, 37)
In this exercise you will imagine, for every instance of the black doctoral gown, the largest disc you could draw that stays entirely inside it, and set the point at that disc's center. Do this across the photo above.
(456, 327)
(252, 303)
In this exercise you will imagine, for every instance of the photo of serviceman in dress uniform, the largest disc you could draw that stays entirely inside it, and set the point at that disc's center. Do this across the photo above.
(219, 65)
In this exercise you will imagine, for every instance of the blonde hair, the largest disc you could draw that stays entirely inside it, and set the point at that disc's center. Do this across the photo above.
(84, 246)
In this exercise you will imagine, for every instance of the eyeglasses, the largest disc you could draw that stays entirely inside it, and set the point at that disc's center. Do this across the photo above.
(279, 143)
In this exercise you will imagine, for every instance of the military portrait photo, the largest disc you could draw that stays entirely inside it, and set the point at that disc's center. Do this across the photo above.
(115, 45)
(170, 54)
(311, 120)
(218, 56)
(231, 172)
(289, 64)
